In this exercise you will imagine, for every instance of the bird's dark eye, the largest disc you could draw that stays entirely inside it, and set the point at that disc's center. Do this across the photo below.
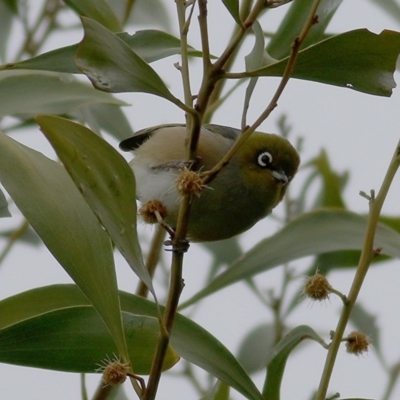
(264, 159)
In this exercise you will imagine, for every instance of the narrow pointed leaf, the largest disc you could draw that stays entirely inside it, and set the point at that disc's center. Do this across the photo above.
(254, 60)
(276, 362)
(6, 21)
(196, 345)
(357, 398)
(292, 24)
(49, 200)
(4, 212)
(256, 346)
(313, 233)
(220, 391)
(190, 340)
(105, 180)
(391, 7)
(12, 5)
(233, 8)
(149, 44)
(332, 183)
(112, 66)
(35, 92)
(99, 11)
(75, 339)
(367, 62)
(367, 323)
(106, 118)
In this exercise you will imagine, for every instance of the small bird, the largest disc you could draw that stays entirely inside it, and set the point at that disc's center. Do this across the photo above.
(244, 191)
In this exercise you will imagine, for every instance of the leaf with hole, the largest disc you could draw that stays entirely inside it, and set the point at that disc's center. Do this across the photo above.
(367, 62)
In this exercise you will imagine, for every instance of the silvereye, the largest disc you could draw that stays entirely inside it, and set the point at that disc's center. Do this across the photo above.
(244, 191)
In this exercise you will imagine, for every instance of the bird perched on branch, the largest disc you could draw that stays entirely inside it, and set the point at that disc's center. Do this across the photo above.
(243, 192)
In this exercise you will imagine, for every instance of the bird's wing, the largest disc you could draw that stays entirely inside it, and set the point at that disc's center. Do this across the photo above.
(135, 141)
(225, 131)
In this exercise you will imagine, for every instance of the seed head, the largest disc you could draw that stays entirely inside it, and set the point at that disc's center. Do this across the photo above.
(114, 371)
(357, 343)
(153, 211)
(317, 287)
(189, 183)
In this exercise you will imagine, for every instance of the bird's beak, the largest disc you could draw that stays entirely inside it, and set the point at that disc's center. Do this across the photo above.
(281, 177)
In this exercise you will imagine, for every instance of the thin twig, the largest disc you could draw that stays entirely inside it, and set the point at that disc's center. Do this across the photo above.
(152, 259)
(210, 175)
(176, 282)
(367, 254)
(215, 97)
(13, 238)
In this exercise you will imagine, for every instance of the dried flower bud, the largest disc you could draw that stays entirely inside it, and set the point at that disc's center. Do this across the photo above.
(317, 287)
(189, 183)
(357, 343)
(114, 372)
(152, 211)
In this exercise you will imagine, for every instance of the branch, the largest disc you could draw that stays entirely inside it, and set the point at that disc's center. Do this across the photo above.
(367, 254)
(296, 46)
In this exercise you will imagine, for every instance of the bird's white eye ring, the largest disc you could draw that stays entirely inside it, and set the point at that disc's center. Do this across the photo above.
(264, 159)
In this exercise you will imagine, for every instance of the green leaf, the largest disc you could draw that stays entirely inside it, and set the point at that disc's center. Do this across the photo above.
(189, 339)
(4, 211)
(391, 7)
(12, 5)
(223, 252)
(99, 11)
(366, 323)
(73, 339)
(106, 118)
(253, 61)
(256, 346)
(6, 21)
(49, 200)
(112, 66)
(310, 234)
(108, 187)
(233, 8)
(28, 236)
(199, 347)
(367, 62)
(36, 92)
(150, 44)
(220, 391)
(276, 361)
(281, 43)
(327, 262)
(144, 13)
(332, 183)
(153, 45)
